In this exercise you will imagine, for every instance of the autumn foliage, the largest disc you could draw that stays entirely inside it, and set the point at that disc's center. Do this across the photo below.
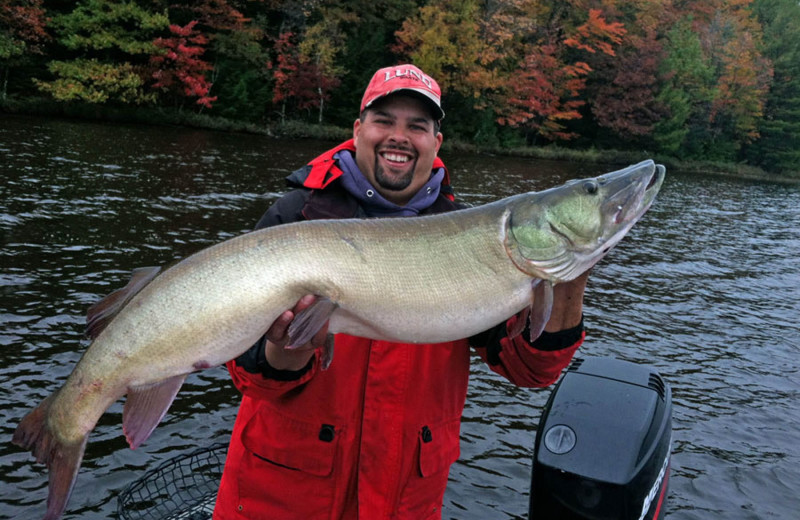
(22, 27)
(180, 67)
(22, 33)
(552, 77)
(709, 79)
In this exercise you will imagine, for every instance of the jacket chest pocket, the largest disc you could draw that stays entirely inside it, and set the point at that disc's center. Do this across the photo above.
(291, 443)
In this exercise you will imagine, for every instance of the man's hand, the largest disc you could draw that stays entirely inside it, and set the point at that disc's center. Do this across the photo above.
(567, 304)
(297, 357)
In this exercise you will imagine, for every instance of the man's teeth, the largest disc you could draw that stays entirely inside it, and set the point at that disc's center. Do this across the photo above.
(395, 158)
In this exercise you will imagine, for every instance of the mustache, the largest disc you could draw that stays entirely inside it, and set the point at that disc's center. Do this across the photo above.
(395, 148)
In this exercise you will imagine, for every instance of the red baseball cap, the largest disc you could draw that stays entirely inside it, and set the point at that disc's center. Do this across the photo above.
(404, 78)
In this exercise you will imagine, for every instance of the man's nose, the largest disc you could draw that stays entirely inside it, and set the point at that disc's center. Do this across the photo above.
(399, 134)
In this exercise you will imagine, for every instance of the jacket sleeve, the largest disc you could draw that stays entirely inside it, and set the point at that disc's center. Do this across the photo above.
(255, 378)
(526, 364)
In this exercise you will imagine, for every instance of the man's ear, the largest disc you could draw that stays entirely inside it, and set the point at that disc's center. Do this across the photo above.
(356, 129)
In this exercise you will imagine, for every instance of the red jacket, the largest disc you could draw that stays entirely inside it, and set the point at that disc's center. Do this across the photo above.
(374, 436)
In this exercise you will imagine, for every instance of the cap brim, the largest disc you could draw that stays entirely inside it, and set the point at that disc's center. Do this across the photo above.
(424, 95)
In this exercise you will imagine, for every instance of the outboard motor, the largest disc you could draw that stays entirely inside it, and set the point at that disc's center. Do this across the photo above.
(603, 445)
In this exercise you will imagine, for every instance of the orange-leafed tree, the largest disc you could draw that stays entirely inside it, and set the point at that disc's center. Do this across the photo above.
(474, 48)
(547, 91)
(744, 74)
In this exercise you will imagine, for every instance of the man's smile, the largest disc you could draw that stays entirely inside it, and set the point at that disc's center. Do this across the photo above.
(393, 157)
(396, 156)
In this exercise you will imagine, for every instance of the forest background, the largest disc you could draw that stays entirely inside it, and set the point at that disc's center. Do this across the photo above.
(710, 81)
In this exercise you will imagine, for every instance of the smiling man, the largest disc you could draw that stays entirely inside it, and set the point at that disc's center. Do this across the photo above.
(373, 436)
(396, 140)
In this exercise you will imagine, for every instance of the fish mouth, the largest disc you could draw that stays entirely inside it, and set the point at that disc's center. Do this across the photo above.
(651, 189)
(633, 191)
(639, 185)
(657, 176)
(636, 189)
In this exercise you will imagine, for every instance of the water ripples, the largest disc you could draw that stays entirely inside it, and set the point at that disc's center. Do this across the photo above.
(705, 289)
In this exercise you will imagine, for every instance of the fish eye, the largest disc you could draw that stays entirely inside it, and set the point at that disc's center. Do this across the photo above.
(591, 187)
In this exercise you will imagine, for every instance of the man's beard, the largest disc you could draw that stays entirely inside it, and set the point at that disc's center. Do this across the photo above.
(393, 182)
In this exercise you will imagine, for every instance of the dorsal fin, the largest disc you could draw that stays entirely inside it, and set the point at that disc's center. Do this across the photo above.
(101, 313)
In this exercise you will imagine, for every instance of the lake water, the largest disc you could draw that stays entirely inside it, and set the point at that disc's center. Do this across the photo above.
(706, 289)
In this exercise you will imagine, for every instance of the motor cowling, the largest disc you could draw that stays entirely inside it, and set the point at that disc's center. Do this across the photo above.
(602, 450)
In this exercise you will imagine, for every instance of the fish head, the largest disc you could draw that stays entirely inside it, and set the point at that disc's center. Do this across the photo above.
(560, 233)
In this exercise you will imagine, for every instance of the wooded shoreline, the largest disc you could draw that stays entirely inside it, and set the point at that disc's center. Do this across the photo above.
(335, 134)
(712, 85)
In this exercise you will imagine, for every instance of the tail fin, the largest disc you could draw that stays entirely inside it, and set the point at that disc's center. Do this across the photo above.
(63, 460)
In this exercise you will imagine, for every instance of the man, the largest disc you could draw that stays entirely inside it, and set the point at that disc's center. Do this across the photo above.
(372, 437)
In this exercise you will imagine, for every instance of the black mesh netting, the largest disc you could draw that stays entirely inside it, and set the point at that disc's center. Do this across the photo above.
(184, 488)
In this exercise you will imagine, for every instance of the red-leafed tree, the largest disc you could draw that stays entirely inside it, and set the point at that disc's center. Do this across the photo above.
(625, 100)
(625, 91)
(546, 90)
(297, 78)
(180, 69)
(22, 33)
(233, 49)
(546, 93)
(284, 68)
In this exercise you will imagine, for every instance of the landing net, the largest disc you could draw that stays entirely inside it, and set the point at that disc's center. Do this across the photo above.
(181, 488)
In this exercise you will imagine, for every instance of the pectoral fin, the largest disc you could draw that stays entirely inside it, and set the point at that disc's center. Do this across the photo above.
(519, 325)
(538, 312)
(327, 352)
(541, 307)
(146, 406)
(309, 321)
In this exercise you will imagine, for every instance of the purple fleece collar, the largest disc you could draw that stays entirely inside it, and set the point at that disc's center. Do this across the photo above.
(373, 203)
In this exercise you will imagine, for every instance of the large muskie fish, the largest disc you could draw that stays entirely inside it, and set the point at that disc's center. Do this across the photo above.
(425, 280)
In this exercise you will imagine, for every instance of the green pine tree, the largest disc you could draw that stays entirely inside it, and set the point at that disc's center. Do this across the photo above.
(778, 148)
(687, 91)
